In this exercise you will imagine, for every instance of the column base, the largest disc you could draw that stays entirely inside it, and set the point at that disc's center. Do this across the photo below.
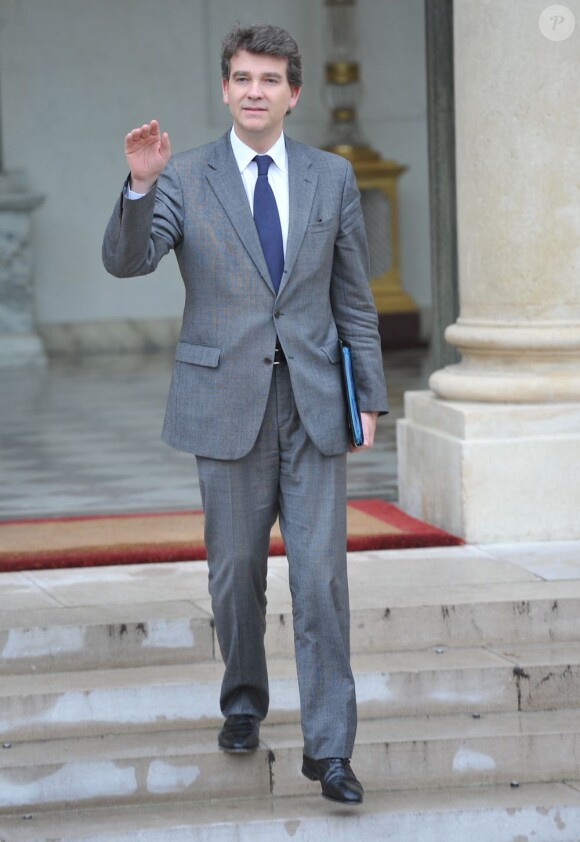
(491, 472)
(21, 349)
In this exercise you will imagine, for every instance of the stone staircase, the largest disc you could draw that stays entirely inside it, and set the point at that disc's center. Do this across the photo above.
(467, 667)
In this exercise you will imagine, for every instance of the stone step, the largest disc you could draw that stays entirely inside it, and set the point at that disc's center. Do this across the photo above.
(163, 633)
(547, 813)
(104, 636)
(391, 754)
(430, 682)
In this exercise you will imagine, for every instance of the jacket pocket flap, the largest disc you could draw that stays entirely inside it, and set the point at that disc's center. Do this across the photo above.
(332, 351)
(321, 225)
(197, 354)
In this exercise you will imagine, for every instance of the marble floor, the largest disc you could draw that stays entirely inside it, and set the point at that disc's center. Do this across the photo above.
(83, 437)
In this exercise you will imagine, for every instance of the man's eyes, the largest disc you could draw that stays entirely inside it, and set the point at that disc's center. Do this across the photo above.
(271, 80)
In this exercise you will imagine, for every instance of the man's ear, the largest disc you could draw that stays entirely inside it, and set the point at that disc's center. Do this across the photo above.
(225, 91)
(294, 96)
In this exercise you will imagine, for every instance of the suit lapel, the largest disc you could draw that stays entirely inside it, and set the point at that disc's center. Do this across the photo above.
(226, 182)
(302, 180)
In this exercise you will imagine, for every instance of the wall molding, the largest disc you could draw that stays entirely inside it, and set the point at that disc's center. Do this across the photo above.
(102, 337)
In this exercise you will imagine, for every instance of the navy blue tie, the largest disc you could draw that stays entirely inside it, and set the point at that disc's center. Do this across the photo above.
(267, 221)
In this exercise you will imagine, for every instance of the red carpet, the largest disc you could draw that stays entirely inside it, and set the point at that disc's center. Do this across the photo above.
(178, 536)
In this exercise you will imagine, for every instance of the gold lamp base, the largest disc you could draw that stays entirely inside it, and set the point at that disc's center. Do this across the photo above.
(377, 179)
(355, 154)
(373, 173)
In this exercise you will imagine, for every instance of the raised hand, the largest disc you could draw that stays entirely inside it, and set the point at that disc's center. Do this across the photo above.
(147, 152)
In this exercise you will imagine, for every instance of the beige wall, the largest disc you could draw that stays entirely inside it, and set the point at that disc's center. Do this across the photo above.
(77, 74)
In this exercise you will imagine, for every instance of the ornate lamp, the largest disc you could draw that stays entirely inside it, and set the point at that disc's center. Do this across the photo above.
(377, 178)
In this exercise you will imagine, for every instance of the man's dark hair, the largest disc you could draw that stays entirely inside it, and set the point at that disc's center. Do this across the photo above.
(263, 39)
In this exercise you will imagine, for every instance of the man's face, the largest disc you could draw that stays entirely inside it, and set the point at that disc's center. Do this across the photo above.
(258, 96)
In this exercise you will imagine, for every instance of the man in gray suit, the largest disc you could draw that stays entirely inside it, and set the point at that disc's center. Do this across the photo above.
(270, 241)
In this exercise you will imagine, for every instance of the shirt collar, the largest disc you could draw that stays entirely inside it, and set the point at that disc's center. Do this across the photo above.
(244, 155)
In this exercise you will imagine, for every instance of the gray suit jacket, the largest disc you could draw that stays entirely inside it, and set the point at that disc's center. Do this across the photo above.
(223, 362)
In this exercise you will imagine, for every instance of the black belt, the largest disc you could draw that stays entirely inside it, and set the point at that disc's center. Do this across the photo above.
(279, 356)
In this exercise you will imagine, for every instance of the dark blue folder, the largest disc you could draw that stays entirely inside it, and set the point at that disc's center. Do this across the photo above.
(349, 386)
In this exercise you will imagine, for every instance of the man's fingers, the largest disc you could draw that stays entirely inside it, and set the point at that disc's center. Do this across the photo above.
(147, 130)
(165, 145)
(369, 423)
(147, 152)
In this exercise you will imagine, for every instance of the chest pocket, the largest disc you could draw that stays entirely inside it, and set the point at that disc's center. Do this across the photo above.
(320, 226)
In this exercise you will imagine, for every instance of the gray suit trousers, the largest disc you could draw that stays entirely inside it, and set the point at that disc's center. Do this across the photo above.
(284, 475)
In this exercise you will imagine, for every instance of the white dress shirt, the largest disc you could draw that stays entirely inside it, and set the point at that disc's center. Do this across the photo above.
(277, 176)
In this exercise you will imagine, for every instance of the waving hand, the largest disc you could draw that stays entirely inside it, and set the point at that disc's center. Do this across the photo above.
(147, 152)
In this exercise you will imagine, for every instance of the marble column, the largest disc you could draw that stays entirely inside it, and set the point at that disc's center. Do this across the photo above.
(19, 342)
(492, 451)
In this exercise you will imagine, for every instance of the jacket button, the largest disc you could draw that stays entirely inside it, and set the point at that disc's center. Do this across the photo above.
(277, 314)
(267, 360)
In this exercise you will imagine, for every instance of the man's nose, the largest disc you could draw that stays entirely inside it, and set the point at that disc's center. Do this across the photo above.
(255, 91)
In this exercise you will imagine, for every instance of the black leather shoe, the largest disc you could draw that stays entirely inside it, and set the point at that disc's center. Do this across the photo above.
(339, 782)
(240, 733)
